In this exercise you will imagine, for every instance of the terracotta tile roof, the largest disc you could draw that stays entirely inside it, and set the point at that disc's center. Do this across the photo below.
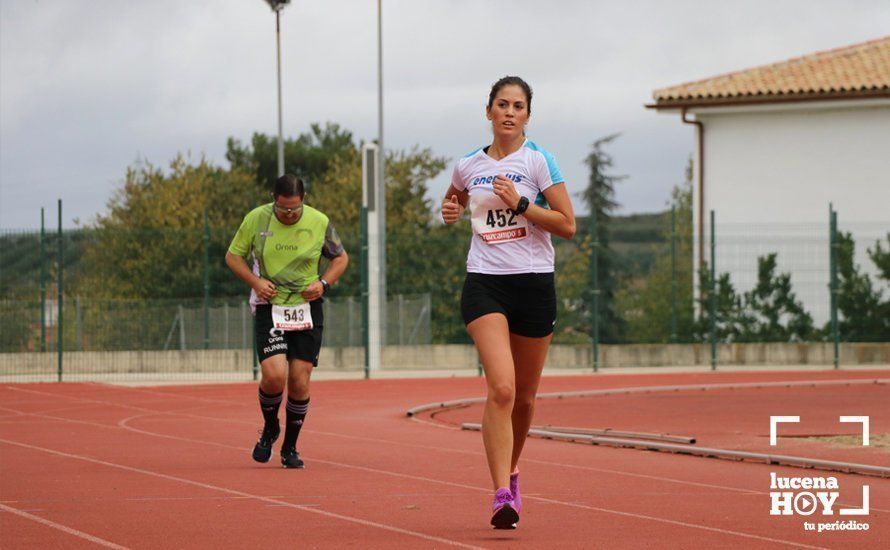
(852, 71)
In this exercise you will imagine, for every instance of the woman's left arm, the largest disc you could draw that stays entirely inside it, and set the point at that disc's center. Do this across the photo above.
(559, 219)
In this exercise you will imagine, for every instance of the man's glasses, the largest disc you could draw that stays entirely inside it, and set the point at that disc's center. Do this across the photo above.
(289, 211)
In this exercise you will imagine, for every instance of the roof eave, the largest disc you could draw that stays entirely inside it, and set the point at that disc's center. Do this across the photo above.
(688, 102)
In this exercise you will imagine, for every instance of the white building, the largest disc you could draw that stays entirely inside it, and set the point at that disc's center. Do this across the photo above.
(774, 146)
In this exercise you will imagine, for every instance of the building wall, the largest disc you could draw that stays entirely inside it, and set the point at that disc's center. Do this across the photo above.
(771, 172)
(788, 163)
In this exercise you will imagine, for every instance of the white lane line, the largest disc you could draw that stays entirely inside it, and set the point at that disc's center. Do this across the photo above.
(124, 425)
(268, 500)
(63, 528)
(411, 445)
(83, 499)
(675, 522)
(17, 416)
(416, 418)
(398, 443)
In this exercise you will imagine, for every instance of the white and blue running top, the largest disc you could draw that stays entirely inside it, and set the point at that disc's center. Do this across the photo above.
(503, 242)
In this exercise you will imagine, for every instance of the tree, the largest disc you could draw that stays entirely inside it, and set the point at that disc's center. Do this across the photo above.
(145, 257)
(150, 243)
(881, 258)
(729, 317)
(771, 311)
(422, 256)
(645, 301)
(573, 323)
(409, 216)
(599, 196)
(309, 156)
(865, 315)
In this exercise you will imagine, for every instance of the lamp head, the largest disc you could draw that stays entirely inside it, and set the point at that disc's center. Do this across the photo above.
(277, 5)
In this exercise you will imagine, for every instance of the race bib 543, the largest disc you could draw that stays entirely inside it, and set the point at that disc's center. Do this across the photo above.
(292, 317)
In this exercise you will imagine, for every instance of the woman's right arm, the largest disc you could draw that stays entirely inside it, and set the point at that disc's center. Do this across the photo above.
(454, 204)
(264, 289)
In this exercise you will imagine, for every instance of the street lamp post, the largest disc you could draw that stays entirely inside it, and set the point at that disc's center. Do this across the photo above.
(277, 6)
(381, 173)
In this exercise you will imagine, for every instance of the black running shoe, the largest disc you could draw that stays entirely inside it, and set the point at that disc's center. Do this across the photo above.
(262, 451)
(291, 459)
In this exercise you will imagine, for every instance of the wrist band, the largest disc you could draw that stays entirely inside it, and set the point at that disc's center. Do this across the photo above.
(522, 206)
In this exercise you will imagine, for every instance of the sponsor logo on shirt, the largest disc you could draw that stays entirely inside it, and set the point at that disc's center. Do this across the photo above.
(487, 180)
(505, 235)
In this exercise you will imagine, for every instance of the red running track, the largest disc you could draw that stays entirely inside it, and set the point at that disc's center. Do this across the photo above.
(87, 465)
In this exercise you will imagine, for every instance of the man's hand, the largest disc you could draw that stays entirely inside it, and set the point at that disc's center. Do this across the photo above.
(264, 289)
(313, 292)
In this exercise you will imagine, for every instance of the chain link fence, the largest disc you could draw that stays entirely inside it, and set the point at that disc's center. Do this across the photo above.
(132, 304)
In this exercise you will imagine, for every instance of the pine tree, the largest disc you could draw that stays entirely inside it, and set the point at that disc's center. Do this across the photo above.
(599, 196)
(864, 312)
(769, 312)
(729, 314)
(881, 258)
(772, 312)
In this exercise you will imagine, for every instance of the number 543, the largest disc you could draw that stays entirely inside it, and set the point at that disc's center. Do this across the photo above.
(293, 315)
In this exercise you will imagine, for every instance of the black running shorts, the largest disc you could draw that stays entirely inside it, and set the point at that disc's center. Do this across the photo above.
(296, 344)
(527, 300)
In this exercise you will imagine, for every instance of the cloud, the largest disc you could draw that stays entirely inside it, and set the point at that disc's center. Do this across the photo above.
(87, 88)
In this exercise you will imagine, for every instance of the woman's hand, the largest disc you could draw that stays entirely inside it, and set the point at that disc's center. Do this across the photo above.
(451, 210)
(264, 289)
(506, 191)
(313, 291)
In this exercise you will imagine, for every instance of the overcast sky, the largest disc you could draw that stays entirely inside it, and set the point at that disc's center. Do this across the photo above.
(88, 87)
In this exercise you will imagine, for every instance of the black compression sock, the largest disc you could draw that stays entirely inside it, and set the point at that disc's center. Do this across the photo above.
(269, 404)
(296, 413)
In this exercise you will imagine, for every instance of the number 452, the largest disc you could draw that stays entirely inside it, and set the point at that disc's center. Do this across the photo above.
(498, 218)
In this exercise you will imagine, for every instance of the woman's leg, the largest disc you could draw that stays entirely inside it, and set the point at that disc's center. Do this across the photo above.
(492, 338)
(529, 355)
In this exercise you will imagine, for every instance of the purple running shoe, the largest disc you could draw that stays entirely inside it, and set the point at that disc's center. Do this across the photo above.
(504, 514)
(514, 489)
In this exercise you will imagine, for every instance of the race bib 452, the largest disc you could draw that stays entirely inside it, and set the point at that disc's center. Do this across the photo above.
(494, 222)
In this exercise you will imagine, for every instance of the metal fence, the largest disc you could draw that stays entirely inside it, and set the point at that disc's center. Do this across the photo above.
(161, 301)
(795, 283)
(104, 332)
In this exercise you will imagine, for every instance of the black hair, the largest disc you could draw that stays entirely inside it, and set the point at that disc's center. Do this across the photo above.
(289, 185)
(515, 81)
